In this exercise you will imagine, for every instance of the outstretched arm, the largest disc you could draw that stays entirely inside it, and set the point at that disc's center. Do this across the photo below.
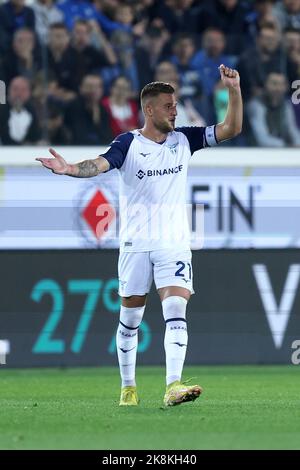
(232, 124)
(84, 169)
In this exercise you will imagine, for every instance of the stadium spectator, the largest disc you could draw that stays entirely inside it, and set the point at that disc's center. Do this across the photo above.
(166, 72)
(84, 10)
(128, 16)
(201, 107)
(122, 110)
(46, 13)
(135, 40)
(14, 15)
(107, 7)
(151, 46)
(183, 58)
(130, 62)
(87, 58)
(56, 130)
(187, 115)
(76, 9)
(62, 67)
(267, 56)
(104, 12)
(124, 15)
(23, 60)
(18, 122)
(291, 39)
(288, 13)
(210, 57)
(99, 40)
(144, 13)
(178, 16)
(262, 13)
(230, 17)
(86, 117)
(291, 43)
(271, 115)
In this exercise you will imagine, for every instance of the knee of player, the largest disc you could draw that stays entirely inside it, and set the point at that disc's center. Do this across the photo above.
(131, 316)
(174, 306)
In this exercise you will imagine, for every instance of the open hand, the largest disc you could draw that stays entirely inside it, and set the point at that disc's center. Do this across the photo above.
(57, 164)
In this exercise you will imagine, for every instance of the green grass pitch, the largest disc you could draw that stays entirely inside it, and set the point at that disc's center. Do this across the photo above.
(241, 408)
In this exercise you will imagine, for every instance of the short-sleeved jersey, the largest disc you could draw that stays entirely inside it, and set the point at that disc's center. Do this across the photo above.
(152, 199)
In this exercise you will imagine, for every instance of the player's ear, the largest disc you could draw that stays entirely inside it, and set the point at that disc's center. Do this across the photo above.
(148, 109)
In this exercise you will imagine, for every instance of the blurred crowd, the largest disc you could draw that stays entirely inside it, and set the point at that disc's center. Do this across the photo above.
(74, 68)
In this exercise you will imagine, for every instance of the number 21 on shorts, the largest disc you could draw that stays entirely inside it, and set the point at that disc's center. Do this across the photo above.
(184, 268)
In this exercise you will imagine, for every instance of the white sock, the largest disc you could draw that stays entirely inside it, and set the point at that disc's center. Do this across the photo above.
(176, 337)
(127, 342)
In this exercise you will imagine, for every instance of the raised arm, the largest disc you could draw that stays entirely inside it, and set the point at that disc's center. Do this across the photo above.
(84, 169)
(232, 124)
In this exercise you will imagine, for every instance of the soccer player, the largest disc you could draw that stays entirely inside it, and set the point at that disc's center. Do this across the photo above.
(154, 234)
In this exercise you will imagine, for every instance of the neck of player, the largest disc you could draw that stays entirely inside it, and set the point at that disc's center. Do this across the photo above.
(150, 132)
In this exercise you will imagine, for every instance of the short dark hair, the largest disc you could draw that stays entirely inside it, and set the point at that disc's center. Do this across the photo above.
(267, 25)
(20, 30)
(81, 21)
(183, 36)
(58, 25)
(213, 29)
(154, 89)
(93, 75)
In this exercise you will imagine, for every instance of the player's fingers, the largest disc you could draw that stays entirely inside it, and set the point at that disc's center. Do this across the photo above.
(234, 73)
(230, 73)
(45, 161)
(47, 165)
(54, 153)
(221, 70)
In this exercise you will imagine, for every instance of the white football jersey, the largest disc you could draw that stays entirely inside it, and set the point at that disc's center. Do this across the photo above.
(153, 178)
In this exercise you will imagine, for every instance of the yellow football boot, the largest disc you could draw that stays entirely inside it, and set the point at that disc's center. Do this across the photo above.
(129, 396)
(178, 392)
